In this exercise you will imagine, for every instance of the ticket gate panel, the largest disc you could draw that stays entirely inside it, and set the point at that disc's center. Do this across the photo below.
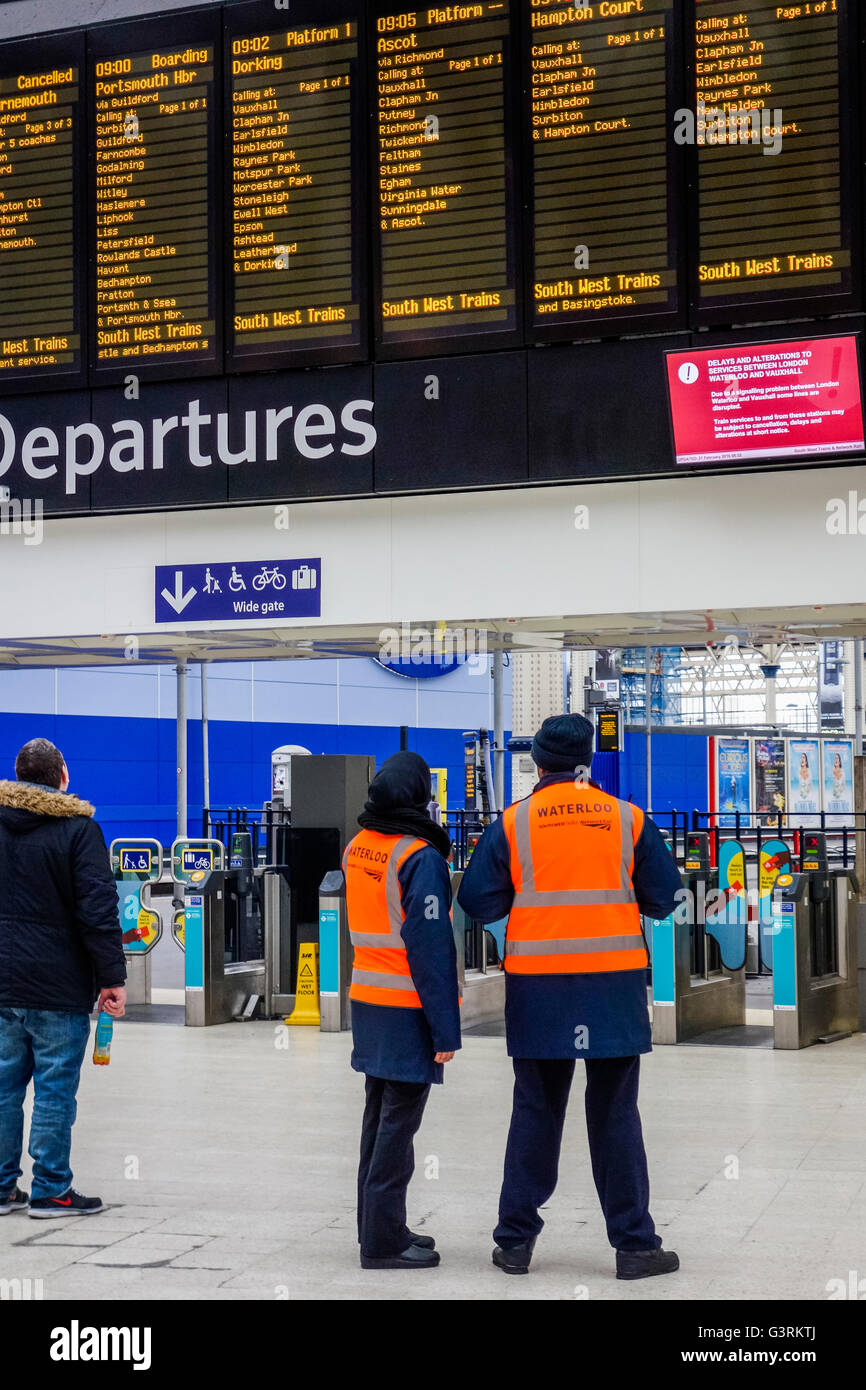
(693, 990)
(136, 864)
(815, 986)
(216, 989)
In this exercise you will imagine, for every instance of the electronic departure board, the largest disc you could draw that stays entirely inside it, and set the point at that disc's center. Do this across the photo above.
(297, 116)
(155, 229)
(446, 272)
(602, 90)
(41, 255)
(774, 217)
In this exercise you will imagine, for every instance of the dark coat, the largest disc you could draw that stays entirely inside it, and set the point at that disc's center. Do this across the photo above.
(574, 1016)
(60, 937)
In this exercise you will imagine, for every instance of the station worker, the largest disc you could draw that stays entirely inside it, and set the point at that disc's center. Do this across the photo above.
(573, 868)
(404, 993)
(60, 947)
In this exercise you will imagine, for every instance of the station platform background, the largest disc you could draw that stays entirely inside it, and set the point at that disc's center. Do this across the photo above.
(229, 1165)
(116, 727)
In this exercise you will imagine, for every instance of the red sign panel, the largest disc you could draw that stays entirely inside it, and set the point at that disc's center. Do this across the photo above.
(765, 401)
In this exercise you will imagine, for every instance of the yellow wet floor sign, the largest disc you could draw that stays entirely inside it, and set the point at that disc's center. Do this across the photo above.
(306, 1008)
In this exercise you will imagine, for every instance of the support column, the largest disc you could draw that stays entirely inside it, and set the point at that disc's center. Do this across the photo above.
(498, 733)
(205, 739)
(181, 670)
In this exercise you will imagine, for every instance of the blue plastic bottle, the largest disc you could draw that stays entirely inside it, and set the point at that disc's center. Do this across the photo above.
(102, 1043)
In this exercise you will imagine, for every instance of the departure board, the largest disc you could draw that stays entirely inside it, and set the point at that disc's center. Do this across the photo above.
(771, 141)
(154, 234)
(40, 252)
(297, 137)
(601, 94)
(446, 218)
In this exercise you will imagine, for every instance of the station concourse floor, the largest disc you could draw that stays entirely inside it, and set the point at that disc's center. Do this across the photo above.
(228, 1164)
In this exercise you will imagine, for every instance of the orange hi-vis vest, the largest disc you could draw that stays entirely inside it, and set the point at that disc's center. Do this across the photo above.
(380, 972)
(574, 909)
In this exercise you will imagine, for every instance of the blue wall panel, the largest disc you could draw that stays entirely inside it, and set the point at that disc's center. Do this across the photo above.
(679, 771)
(127, 767)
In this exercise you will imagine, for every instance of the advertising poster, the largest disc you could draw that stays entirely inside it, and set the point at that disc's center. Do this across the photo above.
(770, 400)
(769, 779)
(804, 781)
(733, 779)
(831, 688)
(838, 776)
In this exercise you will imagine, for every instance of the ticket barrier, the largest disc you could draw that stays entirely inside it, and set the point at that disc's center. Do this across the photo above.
(810, 944)
(137, 867)
(694, 991)
(243, 926)
(218, 927)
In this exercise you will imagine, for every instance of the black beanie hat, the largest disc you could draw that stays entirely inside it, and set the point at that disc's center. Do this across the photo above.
(563, 743)
(403, 780)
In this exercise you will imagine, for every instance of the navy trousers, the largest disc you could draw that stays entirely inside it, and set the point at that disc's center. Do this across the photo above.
(392, 1117)
(619, 1167)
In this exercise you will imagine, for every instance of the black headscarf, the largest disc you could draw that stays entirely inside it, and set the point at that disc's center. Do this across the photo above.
(398, 802)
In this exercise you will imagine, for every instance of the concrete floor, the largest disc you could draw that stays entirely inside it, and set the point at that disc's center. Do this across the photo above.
(228, 1162)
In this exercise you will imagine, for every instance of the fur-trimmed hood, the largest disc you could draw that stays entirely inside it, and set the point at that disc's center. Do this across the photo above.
(23, 805)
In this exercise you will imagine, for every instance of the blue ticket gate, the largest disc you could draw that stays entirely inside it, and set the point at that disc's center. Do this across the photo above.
(137, 866)
(807, 935)
(698, 968)
(812, 944)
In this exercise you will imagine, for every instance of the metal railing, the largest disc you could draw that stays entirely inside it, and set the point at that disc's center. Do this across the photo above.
(263, 826)
(754, 828)
(465, 828)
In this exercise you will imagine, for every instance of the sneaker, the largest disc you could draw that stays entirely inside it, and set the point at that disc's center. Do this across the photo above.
(643, 1264)
(70, 1204)
(16, 1200)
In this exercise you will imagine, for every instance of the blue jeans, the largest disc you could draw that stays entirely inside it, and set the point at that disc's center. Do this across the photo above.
(48, 1048)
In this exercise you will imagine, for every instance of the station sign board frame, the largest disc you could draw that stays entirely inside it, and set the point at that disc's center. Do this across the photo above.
(245, 24)
(112, 46)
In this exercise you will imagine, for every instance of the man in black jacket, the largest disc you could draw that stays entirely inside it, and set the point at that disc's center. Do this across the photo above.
(60, 947)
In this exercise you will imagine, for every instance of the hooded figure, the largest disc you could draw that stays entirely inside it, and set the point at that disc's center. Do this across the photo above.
(404, 993)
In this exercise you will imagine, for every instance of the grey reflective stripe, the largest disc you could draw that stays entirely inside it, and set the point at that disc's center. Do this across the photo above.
(524, 849)
(626, 820)
(392, 888)
(379, 980)
(371, 940)
(581, 947)
(574, 897)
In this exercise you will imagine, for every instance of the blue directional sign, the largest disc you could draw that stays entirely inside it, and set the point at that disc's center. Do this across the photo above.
(244, 592)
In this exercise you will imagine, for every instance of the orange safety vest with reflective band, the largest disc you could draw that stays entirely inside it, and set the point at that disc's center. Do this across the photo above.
(380, 973)
(574, 909)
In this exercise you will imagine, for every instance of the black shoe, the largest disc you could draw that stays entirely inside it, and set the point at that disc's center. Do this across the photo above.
(415, 1257)
(643, 1264)
(70, 1204)
(16, 1200)
(425, 1242)
(516, 1260)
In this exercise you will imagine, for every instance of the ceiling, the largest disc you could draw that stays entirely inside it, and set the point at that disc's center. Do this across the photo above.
(752, 627)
